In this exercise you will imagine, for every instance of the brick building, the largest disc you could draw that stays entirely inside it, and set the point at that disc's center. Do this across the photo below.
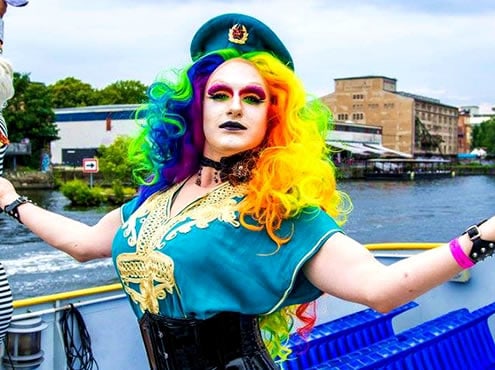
(413, 124)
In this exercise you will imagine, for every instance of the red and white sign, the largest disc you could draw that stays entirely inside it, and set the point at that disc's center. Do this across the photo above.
(90, 165)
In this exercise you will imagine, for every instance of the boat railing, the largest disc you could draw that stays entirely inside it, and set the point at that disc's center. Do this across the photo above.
(66, 296)
(58, 308)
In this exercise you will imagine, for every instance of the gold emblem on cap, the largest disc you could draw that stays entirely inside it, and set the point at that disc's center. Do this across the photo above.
(238, 34)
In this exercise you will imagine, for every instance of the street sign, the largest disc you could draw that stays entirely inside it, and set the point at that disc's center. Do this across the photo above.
(90, 165)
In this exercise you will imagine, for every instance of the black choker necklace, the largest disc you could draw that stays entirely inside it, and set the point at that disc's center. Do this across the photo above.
(235, 169)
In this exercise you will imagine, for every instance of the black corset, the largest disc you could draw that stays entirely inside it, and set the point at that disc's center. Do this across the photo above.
(227, 341)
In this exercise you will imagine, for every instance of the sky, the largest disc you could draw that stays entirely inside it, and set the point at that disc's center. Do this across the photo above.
(439, 49)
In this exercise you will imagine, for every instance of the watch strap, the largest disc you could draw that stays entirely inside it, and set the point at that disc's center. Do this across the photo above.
(12, 209)
(481, 248)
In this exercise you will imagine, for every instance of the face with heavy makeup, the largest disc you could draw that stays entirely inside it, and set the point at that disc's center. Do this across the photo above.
(235, 109)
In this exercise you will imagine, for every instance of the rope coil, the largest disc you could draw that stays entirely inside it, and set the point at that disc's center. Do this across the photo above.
(72, 324)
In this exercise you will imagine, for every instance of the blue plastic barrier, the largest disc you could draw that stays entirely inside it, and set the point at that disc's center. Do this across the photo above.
(341, 336)
(458, 340)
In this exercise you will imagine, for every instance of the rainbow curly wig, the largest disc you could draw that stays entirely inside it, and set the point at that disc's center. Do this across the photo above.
(293, 171)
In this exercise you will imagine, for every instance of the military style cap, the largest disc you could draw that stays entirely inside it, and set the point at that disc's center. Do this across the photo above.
(240, 32)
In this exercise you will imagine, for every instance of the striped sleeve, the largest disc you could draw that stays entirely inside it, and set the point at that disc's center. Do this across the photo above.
(6, 307)
(3, 135)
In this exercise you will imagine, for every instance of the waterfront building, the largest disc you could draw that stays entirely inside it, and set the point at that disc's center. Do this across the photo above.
(83, 130)
(412, 124)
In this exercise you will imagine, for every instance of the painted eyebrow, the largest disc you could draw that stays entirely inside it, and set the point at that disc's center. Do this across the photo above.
(250, 89)
(254, 89)
(218, 87)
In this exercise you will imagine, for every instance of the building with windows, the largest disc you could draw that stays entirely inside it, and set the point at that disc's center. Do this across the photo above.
(83, 130)
(412, 124)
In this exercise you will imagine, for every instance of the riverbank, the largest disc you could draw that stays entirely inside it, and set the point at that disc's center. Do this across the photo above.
(356, 172)
(31, 179)
(50, 180)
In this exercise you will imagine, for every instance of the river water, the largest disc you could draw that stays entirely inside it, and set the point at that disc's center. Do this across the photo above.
(421, 211)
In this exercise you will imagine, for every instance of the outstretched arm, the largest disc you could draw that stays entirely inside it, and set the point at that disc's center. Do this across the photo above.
(346, 269)
(81, 241)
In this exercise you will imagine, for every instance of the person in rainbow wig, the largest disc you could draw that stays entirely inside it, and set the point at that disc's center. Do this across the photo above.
(237, 224)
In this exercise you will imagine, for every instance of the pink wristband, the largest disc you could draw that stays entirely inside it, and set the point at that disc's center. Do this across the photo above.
(460, 257)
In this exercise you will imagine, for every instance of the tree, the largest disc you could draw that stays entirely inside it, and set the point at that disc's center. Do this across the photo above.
(123, 92)
(29, 115)
(71, 92)
(114, 163)
(483, 136)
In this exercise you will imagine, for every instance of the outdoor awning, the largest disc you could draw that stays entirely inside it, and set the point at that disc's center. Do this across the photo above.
(391, 151)
(366, 149)
(346, 146)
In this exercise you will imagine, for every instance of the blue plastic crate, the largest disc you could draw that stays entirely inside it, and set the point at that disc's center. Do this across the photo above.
(458, 340)
(341, 336)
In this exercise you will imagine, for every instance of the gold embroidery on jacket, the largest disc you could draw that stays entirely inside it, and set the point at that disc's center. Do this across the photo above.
(149, 269)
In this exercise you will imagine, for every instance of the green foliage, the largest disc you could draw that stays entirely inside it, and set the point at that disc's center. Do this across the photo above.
(80, 194)
(71, 92)
(29, 115)
(484, 136)
(123, 92)
(118, 192)
(114, 163)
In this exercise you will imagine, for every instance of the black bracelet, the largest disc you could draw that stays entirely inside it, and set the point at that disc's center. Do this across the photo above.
(481, 248)
(12, 210)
